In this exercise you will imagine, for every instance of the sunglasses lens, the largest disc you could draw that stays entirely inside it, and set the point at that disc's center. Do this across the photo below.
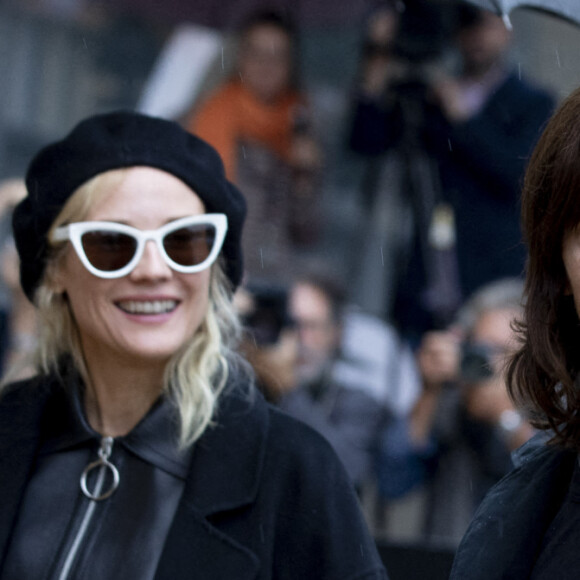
(108, 251)
(190, 246)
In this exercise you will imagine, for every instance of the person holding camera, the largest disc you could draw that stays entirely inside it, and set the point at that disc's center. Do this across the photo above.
(348, 415)
(461, 431)
(328, 363)
(461, 140)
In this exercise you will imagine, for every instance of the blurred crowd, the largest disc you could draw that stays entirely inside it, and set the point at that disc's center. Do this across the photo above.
(412, 397)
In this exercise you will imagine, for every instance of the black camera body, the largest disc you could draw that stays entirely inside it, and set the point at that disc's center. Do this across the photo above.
(476, 362)
(426, 27)
(269, 315)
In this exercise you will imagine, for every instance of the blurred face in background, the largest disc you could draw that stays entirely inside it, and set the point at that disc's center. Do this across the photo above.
(265, 62)
(382, 27)
(317, 331)
(484, 43)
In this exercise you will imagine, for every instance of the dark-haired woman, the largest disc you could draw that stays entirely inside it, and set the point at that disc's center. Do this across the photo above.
(529, 524)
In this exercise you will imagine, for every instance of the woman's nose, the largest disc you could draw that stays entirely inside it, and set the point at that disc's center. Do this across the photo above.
(152, 265)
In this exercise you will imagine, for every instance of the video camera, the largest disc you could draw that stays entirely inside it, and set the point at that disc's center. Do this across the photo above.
(425, 30)
(424, 36)
(268, 316)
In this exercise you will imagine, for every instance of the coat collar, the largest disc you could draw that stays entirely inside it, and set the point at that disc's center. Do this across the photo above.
(152, 439)
(225, 474)
(228, 459)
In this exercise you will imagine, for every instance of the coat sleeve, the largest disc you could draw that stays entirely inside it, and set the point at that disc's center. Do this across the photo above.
(320, 529)
(506, 533)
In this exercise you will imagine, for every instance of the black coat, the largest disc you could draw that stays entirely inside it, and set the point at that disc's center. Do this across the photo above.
(505, 537)
(265, 497)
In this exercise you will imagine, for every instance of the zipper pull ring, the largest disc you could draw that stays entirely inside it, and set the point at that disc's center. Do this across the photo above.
(104, 464)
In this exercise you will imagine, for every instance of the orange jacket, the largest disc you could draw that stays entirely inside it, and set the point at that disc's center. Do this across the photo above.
(233, 114)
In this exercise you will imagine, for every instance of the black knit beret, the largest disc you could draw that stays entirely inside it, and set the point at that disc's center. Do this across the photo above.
(113, 141)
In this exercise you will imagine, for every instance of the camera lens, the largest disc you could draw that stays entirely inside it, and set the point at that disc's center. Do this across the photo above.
(476, 363)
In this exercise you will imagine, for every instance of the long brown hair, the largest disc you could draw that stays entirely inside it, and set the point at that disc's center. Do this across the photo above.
(542, 373)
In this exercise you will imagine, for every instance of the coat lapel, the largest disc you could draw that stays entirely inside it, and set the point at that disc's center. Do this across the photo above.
(196, 548)
(225, 474)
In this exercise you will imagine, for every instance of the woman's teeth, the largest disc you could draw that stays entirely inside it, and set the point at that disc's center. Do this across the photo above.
(150, 307)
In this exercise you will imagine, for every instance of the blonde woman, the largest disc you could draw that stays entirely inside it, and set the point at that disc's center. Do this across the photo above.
(140, 450)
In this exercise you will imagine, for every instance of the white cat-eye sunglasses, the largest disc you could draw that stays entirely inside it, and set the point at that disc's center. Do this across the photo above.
(113, 250)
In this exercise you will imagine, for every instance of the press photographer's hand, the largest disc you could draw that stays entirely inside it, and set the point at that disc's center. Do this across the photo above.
(448, 94)
(438, 358)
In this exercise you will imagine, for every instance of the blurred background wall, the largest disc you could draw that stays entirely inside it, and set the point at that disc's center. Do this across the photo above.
(63, 59)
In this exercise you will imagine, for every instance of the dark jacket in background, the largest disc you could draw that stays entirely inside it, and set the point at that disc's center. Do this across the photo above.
(477, 167)
(265, 497)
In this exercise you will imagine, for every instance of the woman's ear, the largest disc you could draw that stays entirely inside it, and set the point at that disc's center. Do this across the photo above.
(54, 276)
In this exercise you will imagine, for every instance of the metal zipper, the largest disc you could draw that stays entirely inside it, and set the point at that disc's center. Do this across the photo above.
(103, 465)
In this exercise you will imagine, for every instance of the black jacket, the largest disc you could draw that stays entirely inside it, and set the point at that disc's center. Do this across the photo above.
(505, 536)
(265, 497)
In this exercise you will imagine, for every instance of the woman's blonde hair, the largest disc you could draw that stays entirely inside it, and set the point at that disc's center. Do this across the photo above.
(195, 376)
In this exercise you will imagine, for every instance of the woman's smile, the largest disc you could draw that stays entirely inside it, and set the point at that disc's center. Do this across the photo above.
(148, 307)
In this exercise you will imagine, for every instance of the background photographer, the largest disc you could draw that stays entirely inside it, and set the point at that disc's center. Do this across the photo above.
(347, 415)
(460, 433)
(326, 362)
(463, 140)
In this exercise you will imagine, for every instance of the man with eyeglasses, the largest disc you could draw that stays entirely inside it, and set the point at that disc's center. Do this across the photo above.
(340, 372)
(458, 438)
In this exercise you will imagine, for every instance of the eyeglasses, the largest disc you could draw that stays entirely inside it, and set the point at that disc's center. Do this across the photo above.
(112, 250)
